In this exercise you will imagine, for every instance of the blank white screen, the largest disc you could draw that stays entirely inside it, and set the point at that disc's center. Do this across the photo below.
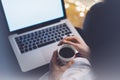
(25, 13)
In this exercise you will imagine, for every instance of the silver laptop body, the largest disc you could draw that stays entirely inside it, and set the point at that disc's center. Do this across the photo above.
(40, 54)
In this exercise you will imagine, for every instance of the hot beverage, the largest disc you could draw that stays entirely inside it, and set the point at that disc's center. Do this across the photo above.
(67, 52)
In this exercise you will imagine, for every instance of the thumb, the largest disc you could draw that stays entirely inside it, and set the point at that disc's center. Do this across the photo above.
(69, 42)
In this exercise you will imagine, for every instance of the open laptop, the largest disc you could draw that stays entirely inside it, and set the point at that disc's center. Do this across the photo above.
(36, 27)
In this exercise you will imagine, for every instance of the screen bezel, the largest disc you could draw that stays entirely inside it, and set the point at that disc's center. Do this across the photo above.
(40, 25)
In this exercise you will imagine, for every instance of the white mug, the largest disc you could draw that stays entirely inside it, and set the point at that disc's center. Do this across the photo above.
(66, 53)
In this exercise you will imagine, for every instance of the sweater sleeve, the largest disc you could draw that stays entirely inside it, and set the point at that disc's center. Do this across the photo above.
(80, 70)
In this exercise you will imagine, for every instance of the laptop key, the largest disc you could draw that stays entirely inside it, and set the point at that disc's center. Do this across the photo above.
(42, 37)
(43, 44)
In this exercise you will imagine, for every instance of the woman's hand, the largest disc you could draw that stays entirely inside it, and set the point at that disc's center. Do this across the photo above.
(79, 44)
(56, 71)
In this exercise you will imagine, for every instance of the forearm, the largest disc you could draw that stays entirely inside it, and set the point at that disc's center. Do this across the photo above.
(85, 53)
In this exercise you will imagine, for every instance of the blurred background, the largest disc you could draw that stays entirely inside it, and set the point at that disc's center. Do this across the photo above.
(76, 10)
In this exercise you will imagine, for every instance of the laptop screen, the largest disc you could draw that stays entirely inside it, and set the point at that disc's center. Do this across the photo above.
(25, 13)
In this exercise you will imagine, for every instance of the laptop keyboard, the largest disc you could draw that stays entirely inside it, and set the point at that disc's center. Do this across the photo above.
(42, 37)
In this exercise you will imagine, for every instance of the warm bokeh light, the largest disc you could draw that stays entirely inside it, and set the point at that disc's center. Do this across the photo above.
(77, 3)
(82, 14)
(67, 5)
(76, 10)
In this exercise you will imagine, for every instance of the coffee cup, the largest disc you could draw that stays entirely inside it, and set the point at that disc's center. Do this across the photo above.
(66, 53)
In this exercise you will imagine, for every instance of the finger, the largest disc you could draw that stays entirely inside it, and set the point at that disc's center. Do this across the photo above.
(60, 43)
(54, 57)
(70, 38)
(69, 42)
(74, 39)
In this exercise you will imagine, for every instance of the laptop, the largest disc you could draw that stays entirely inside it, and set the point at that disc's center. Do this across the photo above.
(36, 27)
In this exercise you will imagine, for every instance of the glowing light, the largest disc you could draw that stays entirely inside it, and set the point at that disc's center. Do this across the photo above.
(67, 5)
(78, 8)
(77, 3)
(71, 1)
(82, 14)
(87, 8)
(83, 8)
